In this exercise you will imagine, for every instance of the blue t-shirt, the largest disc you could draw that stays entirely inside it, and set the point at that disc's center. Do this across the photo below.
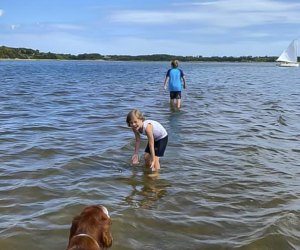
(175, 76)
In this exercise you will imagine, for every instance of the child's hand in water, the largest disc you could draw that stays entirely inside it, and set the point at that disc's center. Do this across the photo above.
(135, 159)
(152, 167)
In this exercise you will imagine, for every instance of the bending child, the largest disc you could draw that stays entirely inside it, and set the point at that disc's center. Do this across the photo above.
(157, 139)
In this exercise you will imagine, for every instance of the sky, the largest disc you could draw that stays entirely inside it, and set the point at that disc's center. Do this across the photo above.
(140, 27)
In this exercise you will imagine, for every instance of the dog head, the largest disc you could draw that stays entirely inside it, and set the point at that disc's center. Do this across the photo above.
(90, 230)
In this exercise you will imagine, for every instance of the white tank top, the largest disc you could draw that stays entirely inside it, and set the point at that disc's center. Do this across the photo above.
(159, 131)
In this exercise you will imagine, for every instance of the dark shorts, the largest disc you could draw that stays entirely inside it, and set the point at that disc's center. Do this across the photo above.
(159, 147)
(175, 94)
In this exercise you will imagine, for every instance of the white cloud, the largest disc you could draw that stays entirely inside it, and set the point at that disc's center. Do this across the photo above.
(1, 12)
(56, 26)
(239, 5)
(223, 13)
(142, 16)
(63, 26)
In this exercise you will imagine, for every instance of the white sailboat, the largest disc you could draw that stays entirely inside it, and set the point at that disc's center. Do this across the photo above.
(288, 58)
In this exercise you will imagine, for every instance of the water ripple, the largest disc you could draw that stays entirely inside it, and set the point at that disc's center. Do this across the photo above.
(229, 177)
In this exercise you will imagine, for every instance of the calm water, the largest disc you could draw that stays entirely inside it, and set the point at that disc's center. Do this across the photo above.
(229, 178)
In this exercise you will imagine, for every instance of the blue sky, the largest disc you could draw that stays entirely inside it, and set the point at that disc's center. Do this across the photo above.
(138, 27)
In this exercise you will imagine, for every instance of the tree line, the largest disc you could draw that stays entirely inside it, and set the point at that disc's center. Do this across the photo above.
(24, 53)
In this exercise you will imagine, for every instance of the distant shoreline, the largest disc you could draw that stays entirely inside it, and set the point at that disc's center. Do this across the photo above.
(8, 53)
(86, 60)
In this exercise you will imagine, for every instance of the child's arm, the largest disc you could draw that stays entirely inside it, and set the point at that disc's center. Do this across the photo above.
(149, 133)
(135, 157)
(166, 82)
(184, 82)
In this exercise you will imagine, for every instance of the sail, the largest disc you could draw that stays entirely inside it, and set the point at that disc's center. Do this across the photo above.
(290, 54)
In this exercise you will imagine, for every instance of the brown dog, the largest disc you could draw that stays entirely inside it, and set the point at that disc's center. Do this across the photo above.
(91, 229)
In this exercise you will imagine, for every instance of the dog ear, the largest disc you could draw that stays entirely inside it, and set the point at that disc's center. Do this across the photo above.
(74, 227)
(106, 237)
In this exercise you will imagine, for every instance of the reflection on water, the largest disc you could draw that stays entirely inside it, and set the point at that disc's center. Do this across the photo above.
(146, 189)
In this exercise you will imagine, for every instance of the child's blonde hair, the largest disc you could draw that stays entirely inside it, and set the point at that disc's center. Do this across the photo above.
(134, 113)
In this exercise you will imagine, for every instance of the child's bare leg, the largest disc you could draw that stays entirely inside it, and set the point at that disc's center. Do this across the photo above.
(156, 163)
(147, 158)
(148, 162)
(172, 103)
(178, 103)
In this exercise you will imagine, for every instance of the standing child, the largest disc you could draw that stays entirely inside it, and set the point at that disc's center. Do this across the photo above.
(175, 79)
(157, 138)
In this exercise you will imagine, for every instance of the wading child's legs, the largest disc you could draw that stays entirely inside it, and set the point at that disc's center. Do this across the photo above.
(148, 162)
(178, 103)
(172, 103)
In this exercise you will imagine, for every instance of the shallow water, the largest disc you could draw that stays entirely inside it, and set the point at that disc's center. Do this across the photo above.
(229, 177)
